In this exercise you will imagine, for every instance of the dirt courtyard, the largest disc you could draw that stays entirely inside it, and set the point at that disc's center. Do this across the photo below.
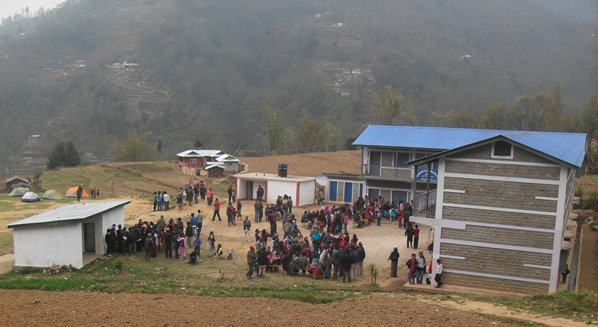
(34, 308)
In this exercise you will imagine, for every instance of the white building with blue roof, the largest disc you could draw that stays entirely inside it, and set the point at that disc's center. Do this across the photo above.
(499, 201)
(387, 151)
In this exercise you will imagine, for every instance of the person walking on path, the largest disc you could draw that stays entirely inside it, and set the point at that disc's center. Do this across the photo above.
(216, 210)
(230, 193)
(251, 258)
(247, 228)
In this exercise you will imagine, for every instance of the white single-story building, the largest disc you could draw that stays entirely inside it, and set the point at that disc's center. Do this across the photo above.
(300, 189)
(228, 162)
(63, 235)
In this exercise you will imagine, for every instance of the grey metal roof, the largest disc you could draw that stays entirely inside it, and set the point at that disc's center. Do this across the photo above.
(69, 213)
(10, 179)
(199, 153)
(565, 147)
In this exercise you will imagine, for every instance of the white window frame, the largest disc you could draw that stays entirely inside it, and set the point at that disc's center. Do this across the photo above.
(493, 156)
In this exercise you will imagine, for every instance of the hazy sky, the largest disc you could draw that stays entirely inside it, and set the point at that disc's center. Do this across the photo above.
(10, 7)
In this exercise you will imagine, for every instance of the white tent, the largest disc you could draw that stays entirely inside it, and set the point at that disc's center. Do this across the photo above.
(52, 195)
(30, 197)
(18, 191)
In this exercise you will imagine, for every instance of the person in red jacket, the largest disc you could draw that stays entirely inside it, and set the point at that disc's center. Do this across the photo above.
(216, 210)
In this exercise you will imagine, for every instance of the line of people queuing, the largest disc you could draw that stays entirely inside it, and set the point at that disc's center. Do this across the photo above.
(189, 195)
(152, 238)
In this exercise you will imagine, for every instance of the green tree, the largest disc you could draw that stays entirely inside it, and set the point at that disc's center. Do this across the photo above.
(529, 114)
(391, 108)
(136, 148)
(495, 117)
(589, 123)
(311, 136)
(554, 109)
(71, 156)
(159, 147)
(274, 131)
(333, 135)
(57, 156)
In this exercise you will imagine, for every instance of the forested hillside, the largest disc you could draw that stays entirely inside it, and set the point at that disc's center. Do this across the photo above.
(195, 72)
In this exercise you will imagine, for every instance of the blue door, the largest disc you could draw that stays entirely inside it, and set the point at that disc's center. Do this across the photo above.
(348, 192)
(332, 193)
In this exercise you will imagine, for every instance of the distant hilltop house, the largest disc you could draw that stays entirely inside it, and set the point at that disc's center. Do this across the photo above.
(192, 160)
(123, 65)
(15, 181)
(466, 57)
(80, 64)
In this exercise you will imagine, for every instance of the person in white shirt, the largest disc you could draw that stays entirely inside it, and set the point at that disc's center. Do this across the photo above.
(438, 276)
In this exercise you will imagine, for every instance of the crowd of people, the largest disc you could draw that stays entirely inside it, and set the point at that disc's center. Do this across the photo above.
(328, 252)
(161, 236)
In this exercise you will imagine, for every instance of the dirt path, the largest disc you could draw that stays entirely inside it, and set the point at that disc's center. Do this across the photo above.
(29, 308)
(588, 270)
(485, 308)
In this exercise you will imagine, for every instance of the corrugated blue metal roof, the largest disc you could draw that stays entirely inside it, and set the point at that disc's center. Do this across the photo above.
(567, 147)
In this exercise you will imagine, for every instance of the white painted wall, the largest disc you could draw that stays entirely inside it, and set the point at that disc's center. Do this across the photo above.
(307, 192)
(276, 188)
(241, 188)
(49, 245)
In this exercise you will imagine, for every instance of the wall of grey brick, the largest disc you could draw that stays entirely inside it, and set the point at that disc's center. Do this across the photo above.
(497, 217)
(485, 152)
(496, 261)
(493, 283)
(481, 168)
(501, 194)
(541, 240)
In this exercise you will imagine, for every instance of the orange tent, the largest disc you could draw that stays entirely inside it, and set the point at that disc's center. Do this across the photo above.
(72, 192)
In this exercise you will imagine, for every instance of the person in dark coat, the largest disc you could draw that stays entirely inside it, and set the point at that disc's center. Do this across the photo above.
(168, 243)
(262, 261)
(109, 242)
(394, 260)
(346, 262)
(409, 234)
(272, 219)
(148, 244)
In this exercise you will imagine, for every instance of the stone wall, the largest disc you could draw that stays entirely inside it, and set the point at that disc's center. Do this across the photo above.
(497, 217)
(496, 261)
(493, 283)
(481, 168)
(533, 239)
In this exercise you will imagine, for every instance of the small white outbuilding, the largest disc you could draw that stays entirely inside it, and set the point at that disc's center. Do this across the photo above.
(300, 188)
(63, 235)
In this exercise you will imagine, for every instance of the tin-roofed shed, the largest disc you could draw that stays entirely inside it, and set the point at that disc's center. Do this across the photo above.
(64, 235)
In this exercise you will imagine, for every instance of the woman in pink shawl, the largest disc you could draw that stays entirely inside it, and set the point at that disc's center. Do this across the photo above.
(182, 246)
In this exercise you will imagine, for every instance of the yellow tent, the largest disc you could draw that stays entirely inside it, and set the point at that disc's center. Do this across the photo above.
(72, 193)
